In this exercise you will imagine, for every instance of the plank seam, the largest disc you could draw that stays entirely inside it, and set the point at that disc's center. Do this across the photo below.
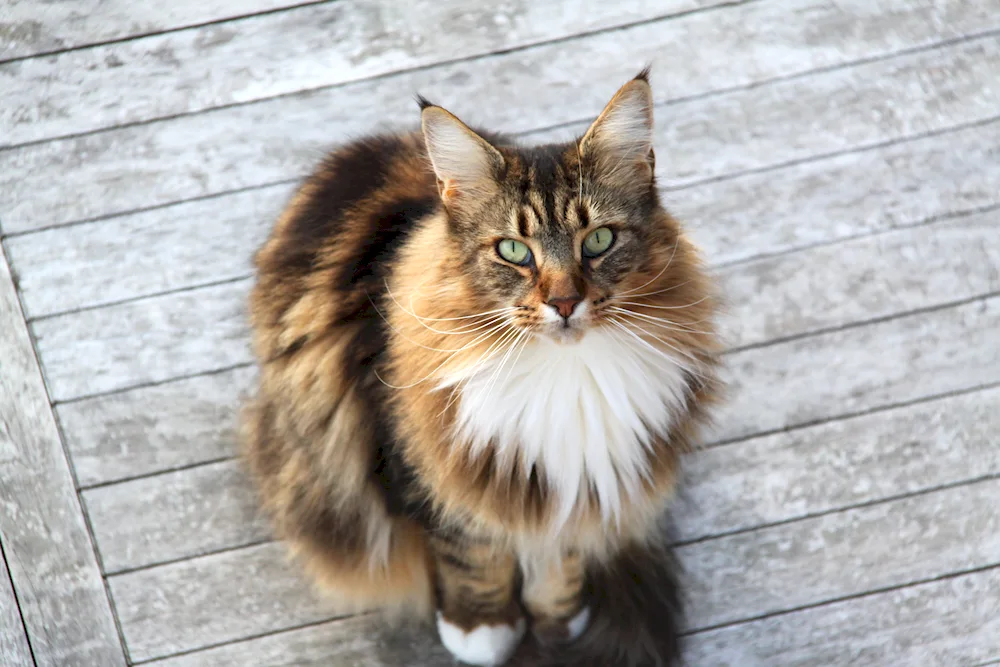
(711, 445)
(735, 175)
(527, 46)
(750, 259)
(972, 481)
(17, 603)
(873, 234)
(4, 256)
(755, 346)
(855, 413)
(335, 619)
(844, 598)
(152, 295)
(857, 324)
(825, 69)
(182, 559)
(165, 31)
(258, 635)
(678, 544)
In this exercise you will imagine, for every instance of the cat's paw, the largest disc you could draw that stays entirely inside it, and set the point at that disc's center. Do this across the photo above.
(485, 645)
(555, 632)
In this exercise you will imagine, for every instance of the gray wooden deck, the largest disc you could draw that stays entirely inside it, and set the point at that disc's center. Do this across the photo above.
(838, 160)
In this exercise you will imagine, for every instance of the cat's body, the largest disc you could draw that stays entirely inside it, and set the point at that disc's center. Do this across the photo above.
(479, 366)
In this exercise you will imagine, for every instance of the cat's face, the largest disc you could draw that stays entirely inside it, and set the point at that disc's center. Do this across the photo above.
(556, 238)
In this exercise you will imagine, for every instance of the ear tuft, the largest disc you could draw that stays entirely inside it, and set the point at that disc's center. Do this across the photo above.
(465, 163)
(621, 139)
(643, 74)
(423, 102)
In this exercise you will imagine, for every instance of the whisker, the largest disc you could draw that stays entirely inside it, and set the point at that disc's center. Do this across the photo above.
(646, 305)
(688, 355)
(659, 291)
(443, 319)
(478, 340)
(495, 324)
(657, 276)
(484, 358)
(659, 321)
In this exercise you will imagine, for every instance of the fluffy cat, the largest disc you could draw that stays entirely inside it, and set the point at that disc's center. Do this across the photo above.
(480, 364)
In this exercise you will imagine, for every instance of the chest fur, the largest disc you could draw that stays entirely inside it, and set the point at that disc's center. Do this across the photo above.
(585, 413)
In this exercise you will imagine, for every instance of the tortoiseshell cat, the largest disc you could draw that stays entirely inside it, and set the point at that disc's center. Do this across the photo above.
(480, 364)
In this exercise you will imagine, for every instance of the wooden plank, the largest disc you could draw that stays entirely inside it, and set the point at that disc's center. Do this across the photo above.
(215, 503)
(155, 428)
(313, 47)
(361, 641)
(51, 560)
(151, 340)
(950, 622)
(143, 166)
(847, 195)
(193, 243)
(766, 480)
(861, 368)
(214, 599)
(160, 250)
(14, 650)
(26, 30)
(842, 554)
(178, 334)
(867, 278)
(235, 595)
(832, 466)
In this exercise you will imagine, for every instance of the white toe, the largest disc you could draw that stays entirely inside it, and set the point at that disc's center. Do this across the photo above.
(578, 623)
(486, 645)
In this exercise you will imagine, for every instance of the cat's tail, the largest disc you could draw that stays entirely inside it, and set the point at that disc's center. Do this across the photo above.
(636, 614)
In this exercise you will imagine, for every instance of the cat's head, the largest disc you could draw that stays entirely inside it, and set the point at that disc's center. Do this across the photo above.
(565, 236)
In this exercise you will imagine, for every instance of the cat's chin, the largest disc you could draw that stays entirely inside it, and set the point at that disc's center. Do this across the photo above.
(566, 335)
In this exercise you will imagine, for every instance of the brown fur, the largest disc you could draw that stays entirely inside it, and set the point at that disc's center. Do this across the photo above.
(352, 449)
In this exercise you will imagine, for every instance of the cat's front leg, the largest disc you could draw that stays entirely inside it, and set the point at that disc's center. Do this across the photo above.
(554, 596)
(479, 618)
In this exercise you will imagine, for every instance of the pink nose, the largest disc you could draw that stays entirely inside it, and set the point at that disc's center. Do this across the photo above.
(565, 305)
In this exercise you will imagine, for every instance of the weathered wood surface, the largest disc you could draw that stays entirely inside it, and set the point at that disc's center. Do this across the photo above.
(840, 373)
(729, 578)
(731, 488)
(213, 599)
(138, 167)
(150, 340)
(360, 641)
(867, 278)
(189, 513)
(846, 553)
(28, 28)
(175, 247)
(165, 347)
(951, 622)
(48, 551)
(338, 42)
(845, 463)
(155, 428)
(14, 650)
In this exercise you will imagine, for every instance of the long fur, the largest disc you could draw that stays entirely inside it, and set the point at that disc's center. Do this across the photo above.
(637, 613)
(435, 432)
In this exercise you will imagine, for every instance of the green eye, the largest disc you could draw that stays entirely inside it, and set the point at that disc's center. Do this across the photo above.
(598, 241)
(514, 251)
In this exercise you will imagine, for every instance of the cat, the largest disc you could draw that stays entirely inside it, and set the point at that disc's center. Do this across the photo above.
(479, 366)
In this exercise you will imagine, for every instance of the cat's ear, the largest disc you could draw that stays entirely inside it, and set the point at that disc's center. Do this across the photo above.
(619, 144)
(466, 165)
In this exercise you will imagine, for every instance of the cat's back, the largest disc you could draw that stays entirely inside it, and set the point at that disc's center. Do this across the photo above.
(328, 251)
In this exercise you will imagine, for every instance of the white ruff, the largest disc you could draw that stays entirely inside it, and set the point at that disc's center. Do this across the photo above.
(584, 412)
